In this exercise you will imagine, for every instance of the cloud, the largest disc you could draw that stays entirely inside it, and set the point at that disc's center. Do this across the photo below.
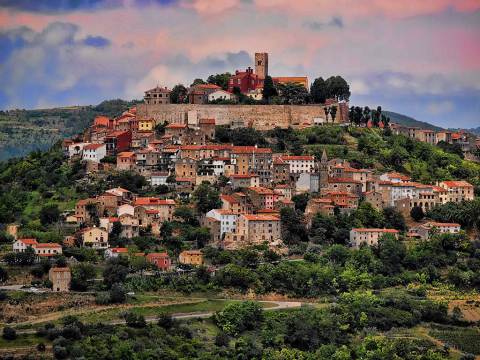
(57, 6)
(96, 41)
(334, 22)
(436, 108)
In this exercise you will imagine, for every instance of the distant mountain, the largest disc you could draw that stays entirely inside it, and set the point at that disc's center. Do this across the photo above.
(475, 131)
(408, 121)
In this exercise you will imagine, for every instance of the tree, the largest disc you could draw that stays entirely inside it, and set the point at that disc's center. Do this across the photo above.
(197, 82)
(318, 91)
(178, 94)
(391, 253)
(3, 274)
(293, 226)
(394, 219)
(206, 198)
(116, 271)
(116, 230)
(333, 112)
(337, 88)
(49, 214)
(118, 294)
(301, 201)
(81, 274)
(238, 317)
(417, 213)
(9, 333)
(220, 80)
(187, 214)
(269, 89)
(293, 93)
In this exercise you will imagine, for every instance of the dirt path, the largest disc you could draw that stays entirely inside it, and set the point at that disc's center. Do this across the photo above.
(280, 305)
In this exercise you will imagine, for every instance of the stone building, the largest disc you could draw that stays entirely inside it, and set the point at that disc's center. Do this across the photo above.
(60, 278)
(157, 95)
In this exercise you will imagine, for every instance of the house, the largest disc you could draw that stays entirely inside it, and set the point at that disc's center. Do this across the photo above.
(458, 190)
(121, 194)
(126, 209)
(60, 278)
(126, 160)
(146, 124)
(253, 230)
(207, 127)
(95, 238)
(299, 164)
(220, 95)
(22, 244)
(231, 203)
(165, 207)
(198, 94)
(228, 219)
(243, 181)
(86, 208)
(158, 178)
(191, 257)
(107, 223)
(426, 230)
(157, 95)
(130, 226)
(47, 249)
(118, 141)
(245, 81)
(345, 185)
(161, 260)
(370, 237)
(261, 197)
(94, 152)
(176, 131)
(115, 252)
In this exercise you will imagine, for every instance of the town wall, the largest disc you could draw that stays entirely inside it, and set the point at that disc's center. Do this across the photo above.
(260, 117)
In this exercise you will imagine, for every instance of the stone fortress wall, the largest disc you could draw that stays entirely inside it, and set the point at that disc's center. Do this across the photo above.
(260, 117)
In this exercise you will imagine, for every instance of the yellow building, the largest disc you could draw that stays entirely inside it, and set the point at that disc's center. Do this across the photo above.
(60, 278)
(146, 125)
(191, 257)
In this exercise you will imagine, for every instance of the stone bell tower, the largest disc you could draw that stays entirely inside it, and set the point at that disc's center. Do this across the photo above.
(261, 64)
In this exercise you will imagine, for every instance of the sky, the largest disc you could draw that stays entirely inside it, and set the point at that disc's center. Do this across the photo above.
(417, 57)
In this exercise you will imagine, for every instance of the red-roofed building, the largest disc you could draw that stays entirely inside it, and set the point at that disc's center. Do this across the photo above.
(254, 230)
(370, 237)
(115, 252)
(426, 230)
(299, 164)
(126, 160)
(161, 260)
(94, 152)
(118, 141)
(198, 94)
(47, 249)
(458, 190)
(245, 81)
(22, 244)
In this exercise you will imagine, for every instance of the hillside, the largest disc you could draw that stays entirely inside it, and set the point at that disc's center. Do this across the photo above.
(23, 131)
(409, 121)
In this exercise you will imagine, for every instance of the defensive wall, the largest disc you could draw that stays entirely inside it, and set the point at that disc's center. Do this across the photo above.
(260, 117)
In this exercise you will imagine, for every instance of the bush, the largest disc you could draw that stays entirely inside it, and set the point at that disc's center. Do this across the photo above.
(102, 298)
(118, 294)
(166, 321)
(134, 320)
(9, 333)
(238, 317)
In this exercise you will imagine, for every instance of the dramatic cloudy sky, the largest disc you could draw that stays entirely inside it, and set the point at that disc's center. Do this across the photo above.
(417, 57)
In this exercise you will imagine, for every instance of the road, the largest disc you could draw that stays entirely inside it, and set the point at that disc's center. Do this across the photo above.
(280, 305)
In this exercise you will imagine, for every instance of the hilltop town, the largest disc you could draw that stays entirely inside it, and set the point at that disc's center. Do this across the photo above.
(246, 186)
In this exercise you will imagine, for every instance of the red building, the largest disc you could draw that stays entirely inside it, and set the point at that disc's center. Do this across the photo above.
(245, 81)
(160, 260)
(117, 141)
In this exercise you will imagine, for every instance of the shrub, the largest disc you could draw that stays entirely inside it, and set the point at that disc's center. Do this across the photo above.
(9, 333)
(166, 321)
(102, 298)
(238, 317)
(134, 320)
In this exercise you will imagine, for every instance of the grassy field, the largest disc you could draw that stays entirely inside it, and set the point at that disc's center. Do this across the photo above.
(464, 339)
(22, 340)
(148, 311)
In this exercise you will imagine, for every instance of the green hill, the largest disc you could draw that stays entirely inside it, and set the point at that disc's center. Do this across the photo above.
(408, 121)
